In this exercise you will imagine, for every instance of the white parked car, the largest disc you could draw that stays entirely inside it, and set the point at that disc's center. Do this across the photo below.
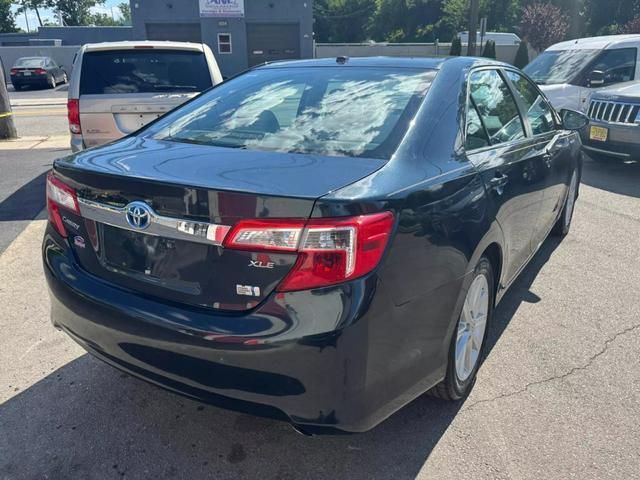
(568, 72)
(118, 87)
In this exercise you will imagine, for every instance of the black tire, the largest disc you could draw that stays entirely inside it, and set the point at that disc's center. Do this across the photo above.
(17, 86)
(452, 388)
(563, 224)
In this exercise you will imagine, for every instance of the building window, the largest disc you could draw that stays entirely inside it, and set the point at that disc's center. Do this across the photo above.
(224, 43)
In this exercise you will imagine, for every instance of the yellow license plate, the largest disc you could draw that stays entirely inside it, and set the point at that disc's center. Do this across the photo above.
(599, 134)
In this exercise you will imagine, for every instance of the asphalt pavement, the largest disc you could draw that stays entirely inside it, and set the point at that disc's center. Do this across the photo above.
(557, 398)
(40, 111)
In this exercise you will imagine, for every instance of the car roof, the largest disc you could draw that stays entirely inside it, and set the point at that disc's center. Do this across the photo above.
(432, 63)
(126, 45)
(31, 58)
(598, 43)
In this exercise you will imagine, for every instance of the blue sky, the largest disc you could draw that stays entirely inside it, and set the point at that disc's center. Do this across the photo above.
(33, 21)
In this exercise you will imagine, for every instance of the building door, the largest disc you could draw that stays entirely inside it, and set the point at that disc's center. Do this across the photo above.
(178, 32)
(268, 42)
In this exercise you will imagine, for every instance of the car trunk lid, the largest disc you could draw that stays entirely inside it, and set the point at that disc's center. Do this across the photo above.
(196, 193)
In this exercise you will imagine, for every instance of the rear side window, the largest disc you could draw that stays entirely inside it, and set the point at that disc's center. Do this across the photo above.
(539, 112)
(143, 71)
(496, 106)
(338, 111)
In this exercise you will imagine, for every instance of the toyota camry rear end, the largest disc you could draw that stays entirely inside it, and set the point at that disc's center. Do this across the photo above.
(235, 250)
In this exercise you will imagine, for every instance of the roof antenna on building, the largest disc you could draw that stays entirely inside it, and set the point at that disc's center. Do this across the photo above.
(342, 59)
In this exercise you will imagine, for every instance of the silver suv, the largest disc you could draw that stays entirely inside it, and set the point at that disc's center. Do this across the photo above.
(118, 87)
(615, 123)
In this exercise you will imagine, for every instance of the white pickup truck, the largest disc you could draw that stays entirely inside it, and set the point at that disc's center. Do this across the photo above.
(569, 72)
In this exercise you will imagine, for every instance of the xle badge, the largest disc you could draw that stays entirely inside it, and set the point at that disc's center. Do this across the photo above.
(248, 290)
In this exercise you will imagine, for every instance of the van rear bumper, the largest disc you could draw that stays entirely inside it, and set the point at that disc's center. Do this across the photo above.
(76, 143)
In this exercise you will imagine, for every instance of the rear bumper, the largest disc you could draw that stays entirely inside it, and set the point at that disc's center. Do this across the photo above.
(333, 359)
(76, 143)
(30, 80)
(623, 142)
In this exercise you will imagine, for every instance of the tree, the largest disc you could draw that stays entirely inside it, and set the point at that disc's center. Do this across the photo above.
(340, 20)
(406, 20)
(489, 50)
(35, 5)
(522, 55)
(633, 26)
(125, 11)
(456, 47)
(74, 12)
(542, 25)
(7, 20)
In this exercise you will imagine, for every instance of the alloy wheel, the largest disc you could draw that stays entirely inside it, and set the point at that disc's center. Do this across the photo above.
(471, 327)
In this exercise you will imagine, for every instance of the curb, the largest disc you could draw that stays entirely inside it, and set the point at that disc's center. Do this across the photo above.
(53, 142)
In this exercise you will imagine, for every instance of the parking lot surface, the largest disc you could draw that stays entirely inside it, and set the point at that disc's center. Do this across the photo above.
(557, 398)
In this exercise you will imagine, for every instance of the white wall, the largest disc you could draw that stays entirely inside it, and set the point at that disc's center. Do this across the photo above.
(505, 53)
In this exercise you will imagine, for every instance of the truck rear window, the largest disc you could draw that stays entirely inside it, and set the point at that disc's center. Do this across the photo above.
(143, 71)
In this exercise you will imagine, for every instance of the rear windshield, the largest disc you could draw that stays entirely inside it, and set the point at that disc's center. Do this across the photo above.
(30, 62)
(338, 111)
(143, 71)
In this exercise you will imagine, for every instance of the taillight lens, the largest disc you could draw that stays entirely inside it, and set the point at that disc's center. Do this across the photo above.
(73, 114)
(330, 251)
(60, 195)
(40, 71)
(14, 71)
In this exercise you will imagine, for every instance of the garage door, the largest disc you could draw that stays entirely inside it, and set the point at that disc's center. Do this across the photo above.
(272, 42)
(178, 32)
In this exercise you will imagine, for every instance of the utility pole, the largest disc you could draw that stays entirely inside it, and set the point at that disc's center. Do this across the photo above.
(7, 127)
(474, 13)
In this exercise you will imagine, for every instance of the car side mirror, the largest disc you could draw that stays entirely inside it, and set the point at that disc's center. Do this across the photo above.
(573, 120)
(597, 78)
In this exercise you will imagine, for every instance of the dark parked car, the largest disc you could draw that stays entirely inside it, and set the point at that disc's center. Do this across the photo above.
(614, 133)
(317, 241)
(40, 71)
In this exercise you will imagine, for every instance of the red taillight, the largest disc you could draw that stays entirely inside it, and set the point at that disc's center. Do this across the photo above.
(330, 251)
(73, 114)
(60, 195)
(14, 71)
(40, 71)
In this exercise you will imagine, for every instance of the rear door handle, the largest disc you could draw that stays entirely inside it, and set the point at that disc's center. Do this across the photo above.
(498, 182)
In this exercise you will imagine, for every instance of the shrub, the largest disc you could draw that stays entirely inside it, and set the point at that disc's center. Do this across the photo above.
(522, 55)
(489, 50)
(456, 47)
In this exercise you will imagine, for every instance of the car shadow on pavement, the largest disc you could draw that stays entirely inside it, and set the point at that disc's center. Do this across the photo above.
(87, 420)
(520, 291)
(26, 202)
(613, 176)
